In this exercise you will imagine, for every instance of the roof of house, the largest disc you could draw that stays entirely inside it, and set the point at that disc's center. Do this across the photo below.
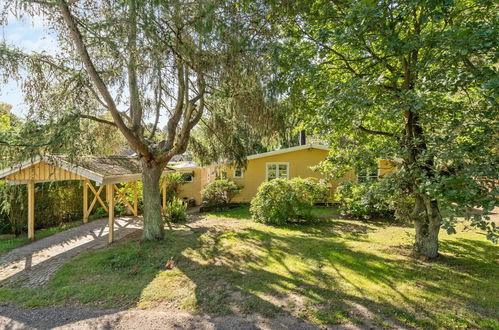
(184, 165)
(101, 169)
(189, 164)
(286, 150)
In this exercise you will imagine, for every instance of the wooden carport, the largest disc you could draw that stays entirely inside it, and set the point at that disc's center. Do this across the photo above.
(105, 171)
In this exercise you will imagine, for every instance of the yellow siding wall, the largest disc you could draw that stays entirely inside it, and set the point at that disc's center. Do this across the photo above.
(192, 189)
(386, 167)
(255, 173)
(202, 176)
(299, 162)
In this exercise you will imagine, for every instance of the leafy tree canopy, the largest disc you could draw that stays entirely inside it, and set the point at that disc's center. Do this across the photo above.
(411, 81)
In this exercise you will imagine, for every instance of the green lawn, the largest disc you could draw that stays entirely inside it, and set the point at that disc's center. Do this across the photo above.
(332, 271)
(243, 212)
(9, 242)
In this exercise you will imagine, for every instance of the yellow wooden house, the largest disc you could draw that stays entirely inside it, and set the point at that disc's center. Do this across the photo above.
(283, 163)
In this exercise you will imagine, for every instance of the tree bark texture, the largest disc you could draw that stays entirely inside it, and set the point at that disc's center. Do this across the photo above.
(427, 222)
(153, 219)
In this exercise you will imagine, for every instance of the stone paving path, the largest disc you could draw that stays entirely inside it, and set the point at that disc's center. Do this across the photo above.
(32, 265)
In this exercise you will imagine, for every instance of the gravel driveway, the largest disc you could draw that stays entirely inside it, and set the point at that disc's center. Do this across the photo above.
(12, 317)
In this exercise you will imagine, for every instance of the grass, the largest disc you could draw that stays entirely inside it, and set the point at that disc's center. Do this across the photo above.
(332, 271)
(243, 212)
(9, 241)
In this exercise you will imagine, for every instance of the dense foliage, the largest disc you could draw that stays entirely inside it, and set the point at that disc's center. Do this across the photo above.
(280, 201)
(374, 200)
(411, 81)
(219, 193)
(56, 203)
(362, 200)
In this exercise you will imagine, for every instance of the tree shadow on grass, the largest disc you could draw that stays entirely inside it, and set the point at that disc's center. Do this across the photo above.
(257, 275)
(314, 274)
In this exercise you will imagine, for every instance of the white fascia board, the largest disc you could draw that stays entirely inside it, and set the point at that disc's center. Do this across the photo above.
(180, 169)
(19, 167)
(286, 150)
(122, 178)
(54, 161)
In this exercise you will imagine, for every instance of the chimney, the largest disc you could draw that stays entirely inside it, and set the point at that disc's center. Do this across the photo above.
(303, 138)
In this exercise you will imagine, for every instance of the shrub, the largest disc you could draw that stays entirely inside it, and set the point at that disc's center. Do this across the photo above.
(175, 210)
(219, 193)
(55, 203)
(365, 200)
(13, 211)
(281, 200)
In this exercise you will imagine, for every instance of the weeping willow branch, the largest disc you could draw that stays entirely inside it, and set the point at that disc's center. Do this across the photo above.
(97, 119)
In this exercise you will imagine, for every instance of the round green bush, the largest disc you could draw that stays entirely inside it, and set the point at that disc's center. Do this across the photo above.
(280, 201)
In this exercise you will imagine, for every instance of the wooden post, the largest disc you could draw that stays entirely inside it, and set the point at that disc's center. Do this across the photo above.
(135, 200)
(85, 201)
(31, 210)
(110, 200)
(163, 190)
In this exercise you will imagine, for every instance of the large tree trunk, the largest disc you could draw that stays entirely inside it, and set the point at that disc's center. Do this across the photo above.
(153, 220)
(427, 221)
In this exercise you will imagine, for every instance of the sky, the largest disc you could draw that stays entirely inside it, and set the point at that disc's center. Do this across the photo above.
(31, 34)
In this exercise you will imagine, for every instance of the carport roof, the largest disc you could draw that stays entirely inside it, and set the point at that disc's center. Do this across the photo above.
(101, 169)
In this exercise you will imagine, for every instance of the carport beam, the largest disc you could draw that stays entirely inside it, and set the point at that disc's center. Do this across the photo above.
(135, 200)
(31, 210)
(85, 201)
(163, 191)
(110, 200)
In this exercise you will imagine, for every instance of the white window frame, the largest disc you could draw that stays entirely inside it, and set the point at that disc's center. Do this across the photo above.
(277, 168)
(188, 174)
(374, 176)
(240, 176)
(221, 174)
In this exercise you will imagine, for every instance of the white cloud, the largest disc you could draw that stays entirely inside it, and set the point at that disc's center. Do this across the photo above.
(29, 33)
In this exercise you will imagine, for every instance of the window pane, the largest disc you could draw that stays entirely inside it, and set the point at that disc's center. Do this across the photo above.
(271, 171)
(283, 170)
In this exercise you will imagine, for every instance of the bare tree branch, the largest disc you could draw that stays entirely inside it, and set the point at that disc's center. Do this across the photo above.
(370, 131)
(177, 114)
(135, 105)
(100, 120)
(158, 106)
